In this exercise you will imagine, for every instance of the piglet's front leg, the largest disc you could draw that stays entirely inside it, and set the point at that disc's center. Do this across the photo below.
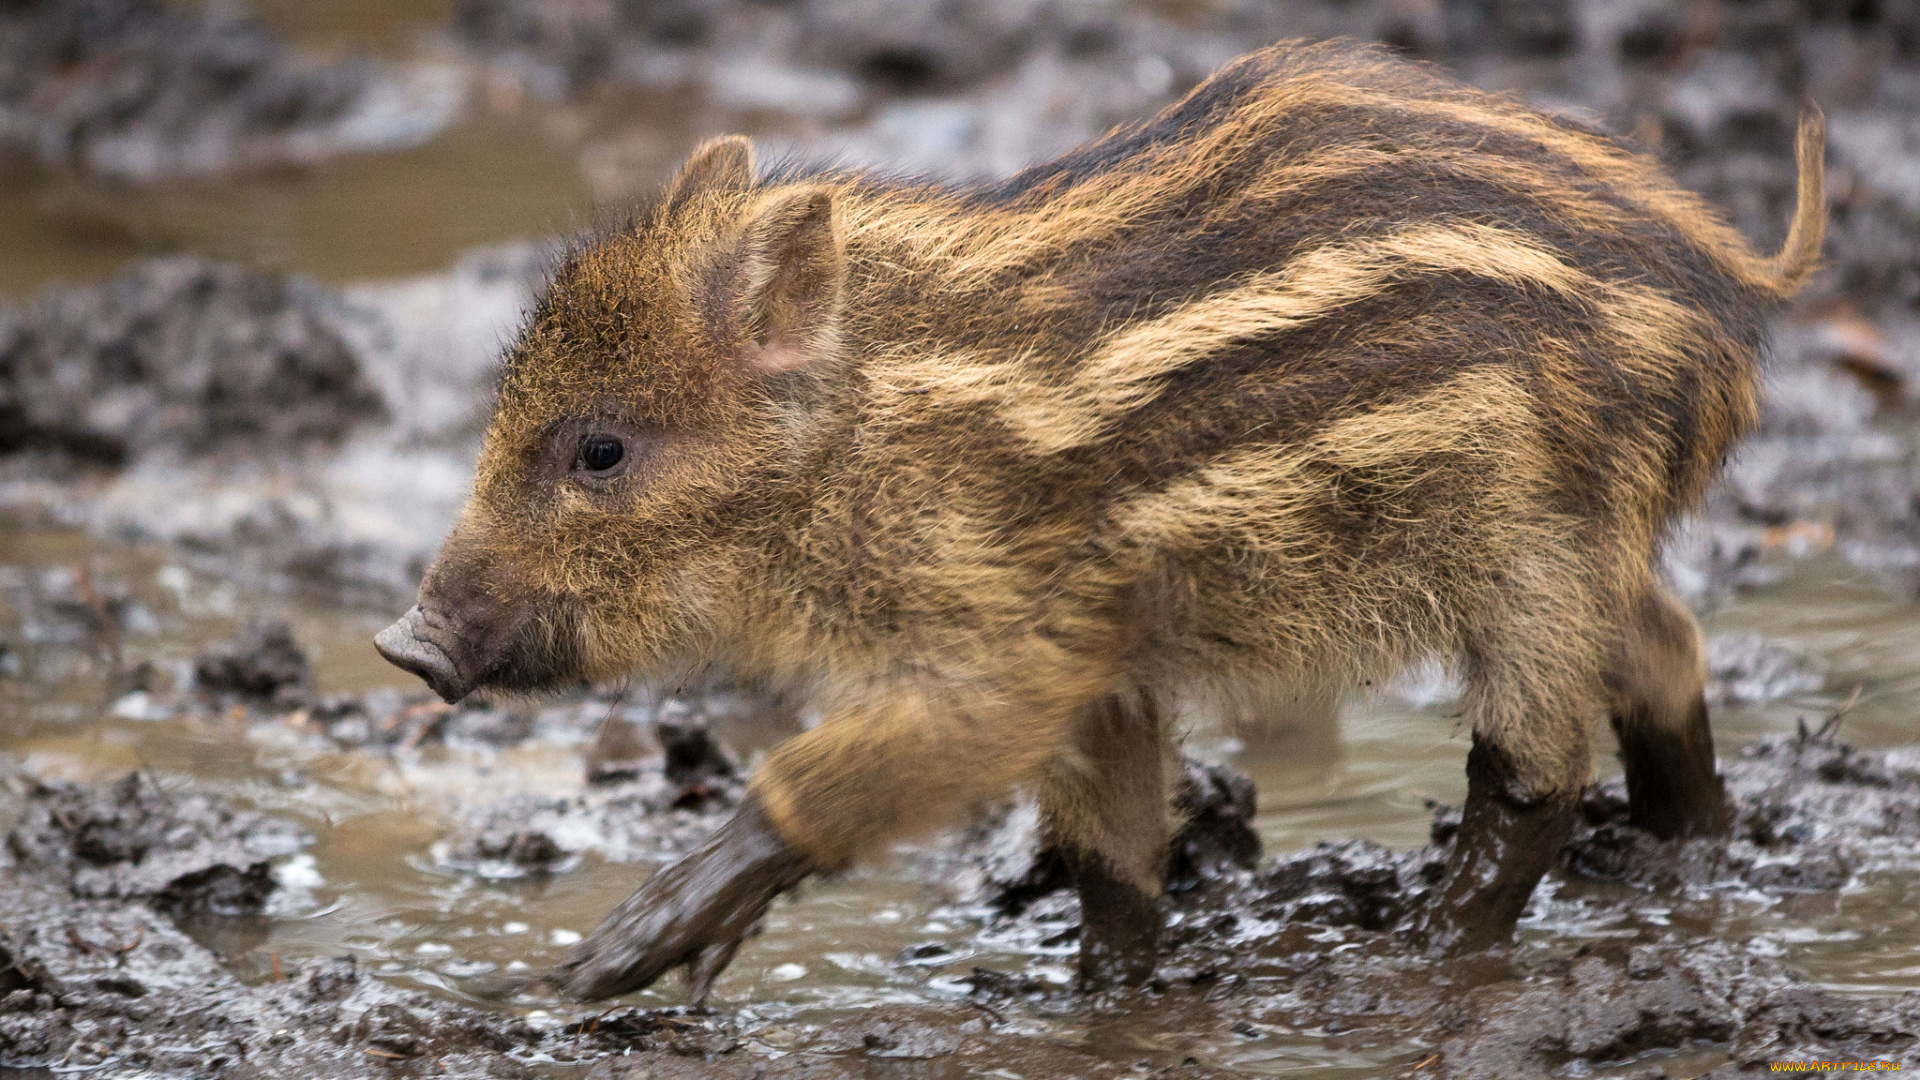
(893, 762)
(695, 912)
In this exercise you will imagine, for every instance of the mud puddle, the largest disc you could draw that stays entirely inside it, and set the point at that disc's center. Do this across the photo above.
(358, 217)
(450, 852)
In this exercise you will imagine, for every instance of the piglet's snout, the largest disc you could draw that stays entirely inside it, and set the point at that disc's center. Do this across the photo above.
(410, 644)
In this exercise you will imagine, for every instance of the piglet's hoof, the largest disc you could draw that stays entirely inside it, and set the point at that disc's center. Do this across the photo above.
(1504, 846)
(695, 912)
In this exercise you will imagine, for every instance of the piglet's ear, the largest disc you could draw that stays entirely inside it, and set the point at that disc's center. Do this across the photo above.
(787, 271)
(722, 164)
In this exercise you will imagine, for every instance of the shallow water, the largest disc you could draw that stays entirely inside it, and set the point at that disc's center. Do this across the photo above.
(495, 179)
(508, 170)
(378, 27)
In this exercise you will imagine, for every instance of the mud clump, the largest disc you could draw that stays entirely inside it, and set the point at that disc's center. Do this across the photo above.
(1601, 1006)
(697, 765)
(1612, 1004)
(178, 357)
(643, 819)
(392, 377)
(643, 803)
(525, 850)
(617, 752)
(696, 762)
(1347, 883)
(1009, 863)
(1810, 813)
(1801, 1023)
(115, 988)
(1215, 805)
(185, 854)
(140, 89)
(19, 973)
(261, 662)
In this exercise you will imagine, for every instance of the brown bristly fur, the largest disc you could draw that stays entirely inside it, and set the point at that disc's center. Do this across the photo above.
(1329, 368)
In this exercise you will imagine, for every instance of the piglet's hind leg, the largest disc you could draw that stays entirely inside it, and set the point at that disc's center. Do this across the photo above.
(1533, 684)
(1106, 808)
(1659, 713)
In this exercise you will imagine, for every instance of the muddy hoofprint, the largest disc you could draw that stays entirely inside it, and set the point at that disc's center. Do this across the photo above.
(1330, 367)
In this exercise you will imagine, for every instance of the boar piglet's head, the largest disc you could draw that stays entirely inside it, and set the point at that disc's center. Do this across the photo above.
(653, 418)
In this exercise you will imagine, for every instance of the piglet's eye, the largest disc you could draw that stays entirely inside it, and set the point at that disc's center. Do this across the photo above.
(598, 453)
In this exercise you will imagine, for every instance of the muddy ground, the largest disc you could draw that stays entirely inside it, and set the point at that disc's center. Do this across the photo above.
(237, 845)
(128, 901)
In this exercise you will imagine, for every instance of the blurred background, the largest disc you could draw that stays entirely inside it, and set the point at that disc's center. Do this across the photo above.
(250, 252)
(258, 260)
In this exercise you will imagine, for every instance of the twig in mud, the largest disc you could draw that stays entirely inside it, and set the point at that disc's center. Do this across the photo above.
(586, 1027)
(426, 717)
(429, 709)
(992, 1013)
(384, 1054)
(118, 952)
(108, 629)
(1832, 723)
(619, 699)
(277, 976)
(1431, 1058)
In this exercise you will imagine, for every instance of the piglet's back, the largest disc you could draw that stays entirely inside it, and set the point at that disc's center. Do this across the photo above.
(1314, 233)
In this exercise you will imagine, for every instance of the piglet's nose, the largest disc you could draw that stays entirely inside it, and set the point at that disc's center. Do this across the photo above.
(408, 645)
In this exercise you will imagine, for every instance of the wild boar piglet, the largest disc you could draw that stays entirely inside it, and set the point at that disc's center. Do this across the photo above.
(1330, 368)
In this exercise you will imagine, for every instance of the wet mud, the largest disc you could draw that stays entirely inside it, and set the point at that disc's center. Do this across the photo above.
(125, 898)
(279, 434)
(183, 854)
(177, 356)
(141, 90)
(1319, 940)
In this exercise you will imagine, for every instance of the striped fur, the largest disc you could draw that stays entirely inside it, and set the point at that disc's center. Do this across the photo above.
(1329, 368)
